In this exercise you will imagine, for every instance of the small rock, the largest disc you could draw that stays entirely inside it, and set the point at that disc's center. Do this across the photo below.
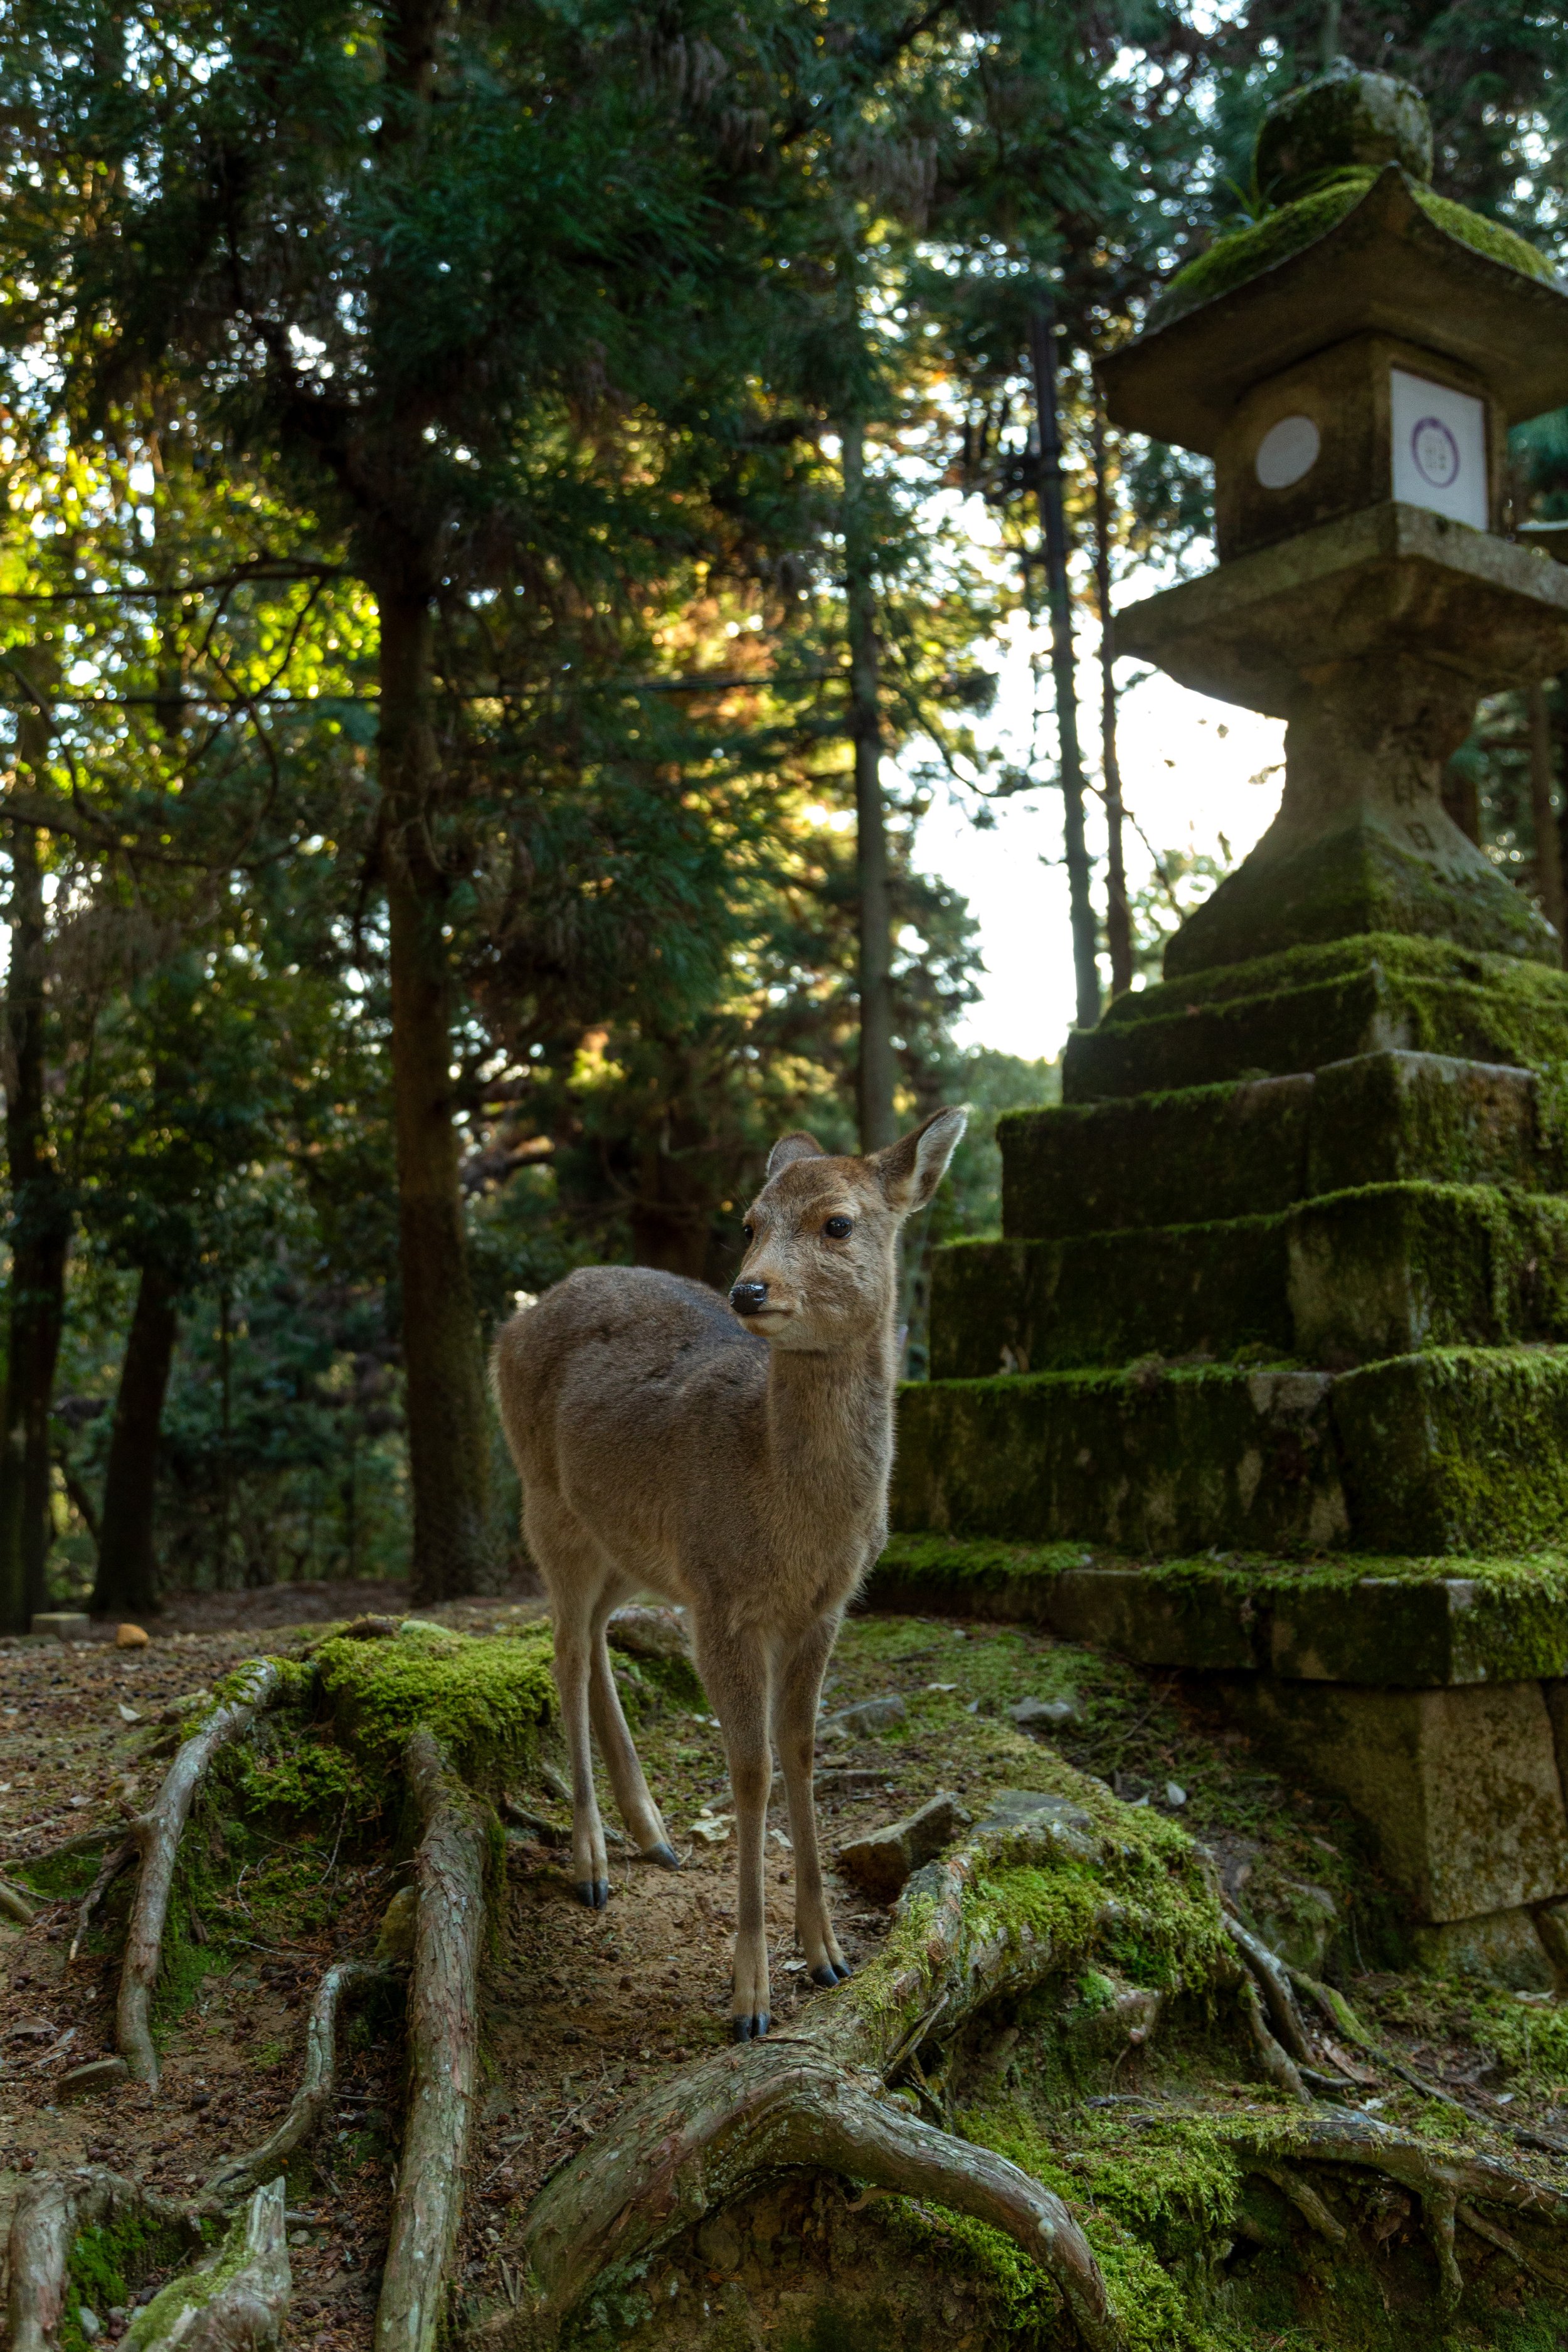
(649, 1634)
(130, 1637)
(98, 2074)
(129, 1714)
(62, 1625)
(1017, 1809)
(882, 1862)
(712, 1829)
(1047, 1714)
(1175, 1794)
(91, 2325)
(870, 1715)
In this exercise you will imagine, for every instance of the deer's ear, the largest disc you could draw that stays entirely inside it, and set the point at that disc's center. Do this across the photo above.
(911, 1170)
(791, 1148)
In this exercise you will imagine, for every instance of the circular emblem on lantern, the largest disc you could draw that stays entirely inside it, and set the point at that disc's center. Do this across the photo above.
(1287, 451)
(1434, 452)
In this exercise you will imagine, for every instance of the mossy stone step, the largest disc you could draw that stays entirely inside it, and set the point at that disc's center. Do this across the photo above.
(1349, 1279)
(1251, 1146)
(1448, 1450)
(1360, 1620)
(1311, 1005)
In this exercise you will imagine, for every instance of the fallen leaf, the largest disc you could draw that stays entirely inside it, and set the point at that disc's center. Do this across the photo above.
(129, 1714)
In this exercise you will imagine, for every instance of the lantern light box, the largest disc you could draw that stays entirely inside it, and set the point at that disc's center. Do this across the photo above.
(1370, 419)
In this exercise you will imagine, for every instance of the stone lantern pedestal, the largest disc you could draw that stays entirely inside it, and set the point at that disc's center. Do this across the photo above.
(1267, 1376)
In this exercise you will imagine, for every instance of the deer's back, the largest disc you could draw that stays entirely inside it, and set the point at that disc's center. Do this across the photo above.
(624, 1384)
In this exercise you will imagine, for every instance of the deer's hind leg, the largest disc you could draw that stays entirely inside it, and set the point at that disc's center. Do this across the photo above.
(635, 1806)
(576, 1574)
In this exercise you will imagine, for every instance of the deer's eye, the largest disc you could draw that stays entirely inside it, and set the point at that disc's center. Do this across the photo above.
(837, 1229)
(750, 1231)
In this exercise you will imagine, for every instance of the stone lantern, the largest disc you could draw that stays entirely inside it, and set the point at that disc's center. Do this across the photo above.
(1267, 1376)
(1351, 363)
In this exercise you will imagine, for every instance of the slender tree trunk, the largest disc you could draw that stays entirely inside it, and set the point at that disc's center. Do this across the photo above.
(127, 1562)
(1118, 922)
(448, 1440)
(1548, 843)
(40, 1231)
(1053, 529)
(875, 1073)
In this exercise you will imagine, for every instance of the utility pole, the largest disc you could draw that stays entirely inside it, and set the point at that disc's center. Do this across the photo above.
(1053, 531)
(874, 1075)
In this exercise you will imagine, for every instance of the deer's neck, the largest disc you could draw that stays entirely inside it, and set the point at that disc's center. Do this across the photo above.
(830, 1430)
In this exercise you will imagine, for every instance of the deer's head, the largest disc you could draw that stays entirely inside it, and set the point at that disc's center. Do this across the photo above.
(821, 1264)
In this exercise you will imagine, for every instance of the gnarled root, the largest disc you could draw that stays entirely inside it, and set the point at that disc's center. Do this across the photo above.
(311, 2101)
(157, 1836)
(443, 2042)
(1439, 2178)
(49, 2212)
(235, 2301)
(736, 2121)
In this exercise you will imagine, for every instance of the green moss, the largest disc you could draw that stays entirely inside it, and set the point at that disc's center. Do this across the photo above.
(109, 2262)
(1232, 260)
(197, 2287)
(489, 1700)
(1457, 1447)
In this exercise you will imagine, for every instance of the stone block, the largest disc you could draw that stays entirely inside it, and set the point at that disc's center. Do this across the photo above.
(1111, 1298)
(1461, 1449)
(98, 2074)
(881, 1862)
(1153, 1460)
(1393, 1267)
(1505, 1948)
(1385, 1118)
(1157, 1160)
(1310, 1006)
(868, 1717)
(1200, 1622)
(1460, 1788)
(62, 1624)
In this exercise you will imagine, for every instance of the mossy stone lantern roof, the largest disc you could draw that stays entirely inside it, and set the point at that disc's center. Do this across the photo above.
(1355, 243)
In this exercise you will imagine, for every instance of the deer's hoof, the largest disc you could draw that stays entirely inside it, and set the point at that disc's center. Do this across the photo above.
(665, 1855)
(594, 1892)
(829, 1973)
(750, 2029)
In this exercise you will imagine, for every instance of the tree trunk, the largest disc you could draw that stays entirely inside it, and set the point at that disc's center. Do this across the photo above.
(1548, 845)
(127, 1564)
(875, 1074)
(40, 1234)
(1053, 529)
(448, 1444)
(1118, 922)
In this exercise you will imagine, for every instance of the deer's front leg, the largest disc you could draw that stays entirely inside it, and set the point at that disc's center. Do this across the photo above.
(736, 1680)
(801, 1670)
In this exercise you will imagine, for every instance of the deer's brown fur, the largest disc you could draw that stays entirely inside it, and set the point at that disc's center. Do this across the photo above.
(737, 1462)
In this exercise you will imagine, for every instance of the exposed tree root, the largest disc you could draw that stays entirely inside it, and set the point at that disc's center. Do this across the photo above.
(15, 1904)
(49, 2212)
(118, 1858)
(234, 2302)
(443, 2036)
(734, 2121)
(157, 1836)
(1449, 2186)
(317, 2083)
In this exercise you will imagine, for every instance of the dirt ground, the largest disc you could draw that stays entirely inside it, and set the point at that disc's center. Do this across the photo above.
(583, 2009)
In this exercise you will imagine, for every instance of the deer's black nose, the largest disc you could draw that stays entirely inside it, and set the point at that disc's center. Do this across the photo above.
(749, 1298)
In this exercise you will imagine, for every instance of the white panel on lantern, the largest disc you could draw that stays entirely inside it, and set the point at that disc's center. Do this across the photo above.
(1439, 448)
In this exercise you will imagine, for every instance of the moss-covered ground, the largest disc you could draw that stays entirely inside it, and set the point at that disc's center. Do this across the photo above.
(1125, 2080)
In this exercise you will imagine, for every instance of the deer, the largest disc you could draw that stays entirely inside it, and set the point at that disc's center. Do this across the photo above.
(734, 1458)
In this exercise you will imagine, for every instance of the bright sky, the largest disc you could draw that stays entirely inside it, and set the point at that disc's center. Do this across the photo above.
(1188, 768)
